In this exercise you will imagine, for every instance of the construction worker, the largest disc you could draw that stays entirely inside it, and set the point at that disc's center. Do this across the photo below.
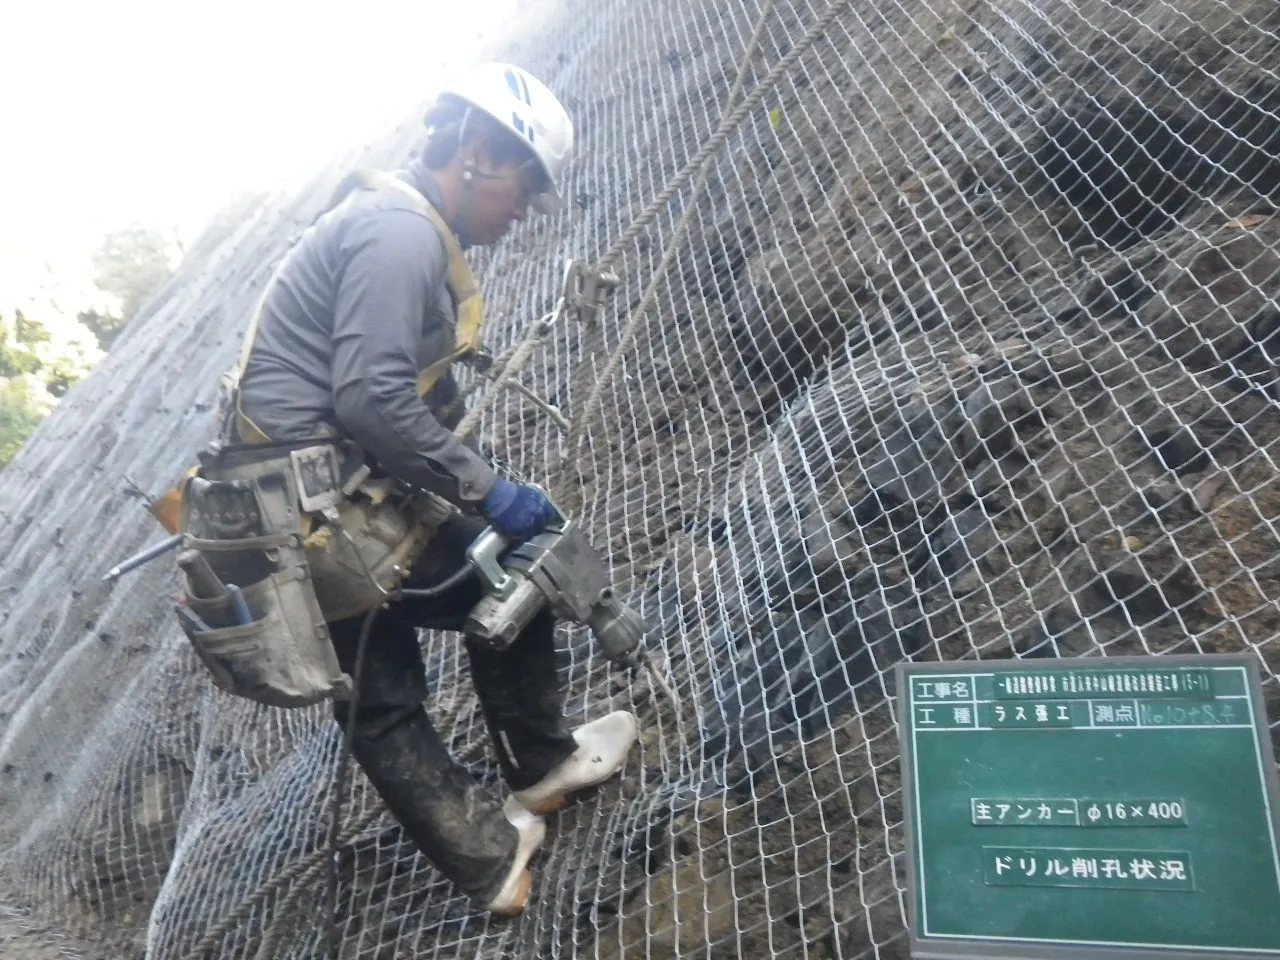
(354, 339)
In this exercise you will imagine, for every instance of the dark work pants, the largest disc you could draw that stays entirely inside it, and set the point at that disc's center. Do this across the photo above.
(453, 821)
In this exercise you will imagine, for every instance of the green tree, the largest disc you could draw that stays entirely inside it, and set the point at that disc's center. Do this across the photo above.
(40, 361)
(19, 340)
(38, 365)
(67, 359)
(20, 413)
(104, 325)
(131, 265)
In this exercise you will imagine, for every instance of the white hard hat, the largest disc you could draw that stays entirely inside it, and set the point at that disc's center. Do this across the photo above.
(522, 104)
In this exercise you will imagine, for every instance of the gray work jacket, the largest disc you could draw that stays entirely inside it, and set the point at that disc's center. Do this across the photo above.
(357, 308)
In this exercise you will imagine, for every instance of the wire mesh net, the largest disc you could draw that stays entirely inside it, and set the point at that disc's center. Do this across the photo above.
(965, 346)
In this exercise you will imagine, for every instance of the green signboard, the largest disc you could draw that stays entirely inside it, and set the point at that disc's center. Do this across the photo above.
(1124, 807)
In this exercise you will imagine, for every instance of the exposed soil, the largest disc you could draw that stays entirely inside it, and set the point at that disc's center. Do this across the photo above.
(972, 353)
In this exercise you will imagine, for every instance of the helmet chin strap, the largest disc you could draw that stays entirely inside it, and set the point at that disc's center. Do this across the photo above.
(464, 201)
(468, 178)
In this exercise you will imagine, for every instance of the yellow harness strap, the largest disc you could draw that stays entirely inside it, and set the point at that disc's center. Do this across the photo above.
(462, 285)
(249, 431)
(470, 307)
(461, 281)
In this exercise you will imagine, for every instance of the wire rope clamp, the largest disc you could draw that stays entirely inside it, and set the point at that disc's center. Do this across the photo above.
(585, 290)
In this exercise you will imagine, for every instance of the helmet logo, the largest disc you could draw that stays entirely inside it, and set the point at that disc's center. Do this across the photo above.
(518, 87)
(521, 127)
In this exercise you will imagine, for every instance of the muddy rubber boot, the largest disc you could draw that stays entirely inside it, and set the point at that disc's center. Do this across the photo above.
(514, 892)
(450, 817)
(602, 748)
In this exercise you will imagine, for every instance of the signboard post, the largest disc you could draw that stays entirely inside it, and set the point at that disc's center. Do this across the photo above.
(1089, 808)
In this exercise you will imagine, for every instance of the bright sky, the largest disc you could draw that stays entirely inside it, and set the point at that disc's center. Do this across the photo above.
(160, 111)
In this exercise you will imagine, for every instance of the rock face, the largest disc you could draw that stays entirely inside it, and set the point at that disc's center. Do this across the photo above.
(971, 352)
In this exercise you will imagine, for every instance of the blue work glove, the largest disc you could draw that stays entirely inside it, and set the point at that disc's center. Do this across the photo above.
(516, 511)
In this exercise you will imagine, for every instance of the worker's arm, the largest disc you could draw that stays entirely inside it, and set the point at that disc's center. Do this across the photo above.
(393, 267)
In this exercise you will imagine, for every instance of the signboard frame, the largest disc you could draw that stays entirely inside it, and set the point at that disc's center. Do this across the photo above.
(951, 947)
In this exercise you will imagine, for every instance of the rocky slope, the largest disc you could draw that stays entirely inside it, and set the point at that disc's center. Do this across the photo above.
(972, 352)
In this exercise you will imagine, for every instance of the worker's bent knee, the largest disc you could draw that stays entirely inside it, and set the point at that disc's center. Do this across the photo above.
(390, 677)
(374, 722)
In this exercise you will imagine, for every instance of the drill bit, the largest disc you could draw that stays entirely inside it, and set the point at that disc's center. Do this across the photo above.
(146, 556)
(658, 680)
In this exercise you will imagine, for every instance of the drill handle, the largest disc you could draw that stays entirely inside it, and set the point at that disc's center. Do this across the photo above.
(483, 555)
(486, 551)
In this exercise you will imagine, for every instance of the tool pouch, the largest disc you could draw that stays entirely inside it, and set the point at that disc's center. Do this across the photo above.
(253, 617)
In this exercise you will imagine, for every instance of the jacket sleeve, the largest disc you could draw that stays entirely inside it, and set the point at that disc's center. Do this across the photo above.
(392, 266)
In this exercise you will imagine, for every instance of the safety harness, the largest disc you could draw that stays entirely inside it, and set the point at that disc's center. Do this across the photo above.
(283, 538)
(461, 283)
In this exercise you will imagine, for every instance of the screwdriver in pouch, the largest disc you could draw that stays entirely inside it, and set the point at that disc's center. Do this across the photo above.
(243, 616)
